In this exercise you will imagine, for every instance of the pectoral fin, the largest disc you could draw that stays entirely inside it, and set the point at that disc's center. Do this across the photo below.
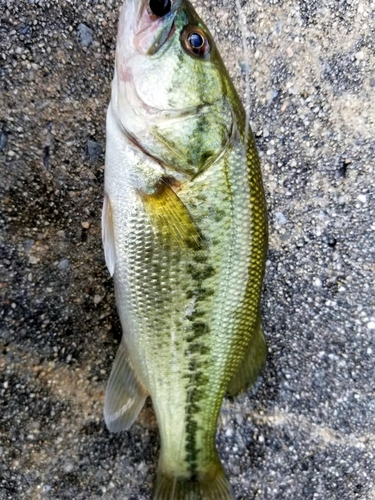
(125, 395)
(252, 363)
(108, 235)
(171, 219)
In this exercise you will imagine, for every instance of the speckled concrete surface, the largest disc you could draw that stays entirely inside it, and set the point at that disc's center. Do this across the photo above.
(307, 433)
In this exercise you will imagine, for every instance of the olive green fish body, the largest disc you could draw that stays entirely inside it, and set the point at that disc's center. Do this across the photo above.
(185, 235)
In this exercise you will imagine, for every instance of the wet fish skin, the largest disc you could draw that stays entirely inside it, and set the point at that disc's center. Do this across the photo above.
(185, 237)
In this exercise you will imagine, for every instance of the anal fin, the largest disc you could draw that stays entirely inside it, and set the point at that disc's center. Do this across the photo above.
(252, 363)
(125, 395)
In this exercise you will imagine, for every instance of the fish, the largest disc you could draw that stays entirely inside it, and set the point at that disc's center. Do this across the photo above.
(184, 229)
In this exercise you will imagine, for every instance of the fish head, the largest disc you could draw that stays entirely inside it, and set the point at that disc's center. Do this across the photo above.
(171, 93)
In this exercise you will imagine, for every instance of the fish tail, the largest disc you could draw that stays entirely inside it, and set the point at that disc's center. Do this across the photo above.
(211, 484)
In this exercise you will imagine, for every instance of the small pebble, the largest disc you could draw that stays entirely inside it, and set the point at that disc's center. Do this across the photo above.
(317, 282)
(28, 244)
(280, 218)
(362, 198)
(68, 467)
(97, 299)
(63, 265)
(94, 150)
(85, 35)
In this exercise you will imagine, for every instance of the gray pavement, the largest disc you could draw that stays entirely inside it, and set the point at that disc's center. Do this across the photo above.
(307, 432)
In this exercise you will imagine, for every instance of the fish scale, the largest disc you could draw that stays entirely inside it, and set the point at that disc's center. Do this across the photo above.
(185, 236)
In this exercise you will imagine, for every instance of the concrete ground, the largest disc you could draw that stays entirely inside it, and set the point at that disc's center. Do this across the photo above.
(307, 433)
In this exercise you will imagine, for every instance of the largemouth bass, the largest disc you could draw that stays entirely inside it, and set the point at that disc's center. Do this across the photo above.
(185, 237)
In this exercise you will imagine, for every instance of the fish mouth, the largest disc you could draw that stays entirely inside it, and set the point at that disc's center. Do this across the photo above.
(152, 31)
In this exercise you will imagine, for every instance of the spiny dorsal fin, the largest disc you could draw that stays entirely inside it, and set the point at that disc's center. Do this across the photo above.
(171, 219)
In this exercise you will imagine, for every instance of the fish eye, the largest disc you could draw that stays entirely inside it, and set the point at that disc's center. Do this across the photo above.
(195, 41)
(160, 7)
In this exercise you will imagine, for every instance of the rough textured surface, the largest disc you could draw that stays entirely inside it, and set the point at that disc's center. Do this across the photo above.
(307, 433)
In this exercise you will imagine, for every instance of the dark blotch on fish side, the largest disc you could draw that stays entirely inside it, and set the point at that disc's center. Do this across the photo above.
(201, 274)
(197, 348)
(198, 381)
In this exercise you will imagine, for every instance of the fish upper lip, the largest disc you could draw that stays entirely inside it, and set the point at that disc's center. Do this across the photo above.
(154, 31)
